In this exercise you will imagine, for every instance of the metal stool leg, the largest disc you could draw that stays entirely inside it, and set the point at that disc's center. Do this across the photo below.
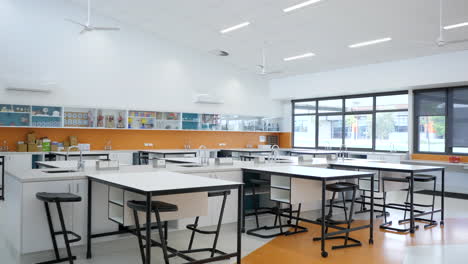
(65, 235)
(51, 230)
(138, 233)
(218, 228)
(192, 237)
(350, 219)
(161, 236)
(254, 197)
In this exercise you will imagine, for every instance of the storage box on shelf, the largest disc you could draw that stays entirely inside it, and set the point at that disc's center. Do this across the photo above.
(141, 119)
(79, 117)
(168, 120)
(46, 116)
(190, 121)
(14, 115)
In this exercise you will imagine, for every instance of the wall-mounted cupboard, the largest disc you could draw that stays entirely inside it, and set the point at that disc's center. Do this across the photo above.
(12, 115)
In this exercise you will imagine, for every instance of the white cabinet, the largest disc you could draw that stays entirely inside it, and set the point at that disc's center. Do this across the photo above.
(17, 162)
(215, 203)
(34, 220)
(124, 158)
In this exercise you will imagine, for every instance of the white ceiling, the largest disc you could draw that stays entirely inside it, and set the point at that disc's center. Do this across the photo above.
(326, 29)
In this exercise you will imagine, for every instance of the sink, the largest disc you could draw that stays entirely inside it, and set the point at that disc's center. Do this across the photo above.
(191, 165)
(60, 171)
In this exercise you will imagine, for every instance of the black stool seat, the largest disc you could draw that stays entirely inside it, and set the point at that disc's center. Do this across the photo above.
(422, 178)
(219, 193)
(155, 205)
(341, 187)
(58, 197)
(259, 181)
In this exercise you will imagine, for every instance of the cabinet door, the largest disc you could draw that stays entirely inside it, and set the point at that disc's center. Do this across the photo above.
(213, 204)
(34, 220)
(79, 215)
(124, 158)
(17, 162)
(230, 211)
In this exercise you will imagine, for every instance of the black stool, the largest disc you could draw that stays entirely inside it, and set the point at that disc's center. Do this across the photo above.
(278, 211)
(194, 228)
(58, 198)
(340, 187)
(157, 207)
(406, 206)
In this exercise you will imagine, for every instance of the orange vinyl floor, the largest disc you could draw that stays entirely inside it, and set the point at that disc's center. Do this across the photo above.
(388, 247)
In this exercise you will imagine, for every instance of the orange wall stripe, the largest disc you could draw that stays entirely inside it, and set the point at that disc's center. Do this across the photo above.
(436, 157)
(134, 139)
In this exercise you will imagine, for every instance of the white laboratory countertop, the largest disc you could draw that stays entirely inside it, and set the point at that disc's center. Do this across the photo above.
(69, 163)
(38, 175)
(146, 181)
(386, 166)
(310, 172)
(436, 163)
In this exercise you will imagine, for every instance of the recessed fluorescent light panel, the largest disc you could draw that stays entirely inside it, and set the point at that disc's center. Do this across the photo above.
(301, 5)
(305, 55)
(464, 24)
(367, 43)
(229, 29)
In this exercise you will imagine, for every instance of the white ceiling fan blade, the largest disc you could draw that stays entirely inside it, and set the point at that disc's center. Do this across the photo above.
(74, 22)
(456, 41)
(105, 28)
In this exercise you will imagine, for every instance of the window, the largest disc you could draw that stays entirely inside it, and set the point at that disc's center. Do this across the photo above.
(358, 131)
(359, 104)
(366, 122)
(392, 102)
(459, 110)
(304, 131)
(304, 123)
(430, 112)
(391, 122)
(305, 108)
(330, 106)
(330, 131)
(391, 131)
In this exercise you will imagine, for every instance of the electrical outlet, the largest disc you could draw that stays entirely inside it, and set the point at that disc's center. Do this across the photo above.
(148, 144)
(222, 144)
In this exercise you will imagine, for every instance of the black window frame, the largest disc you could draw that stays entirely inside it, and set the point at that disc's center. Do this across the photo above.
(344, 113)
(448, 122)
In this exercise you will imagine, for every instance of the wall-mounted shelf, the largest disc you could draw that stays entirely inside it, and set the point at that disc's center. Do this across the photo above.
(15, 115)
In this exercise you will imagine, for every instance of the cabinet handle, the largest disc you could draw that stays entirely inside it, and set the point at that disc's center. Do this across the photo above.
(77, 188)
(69, 188)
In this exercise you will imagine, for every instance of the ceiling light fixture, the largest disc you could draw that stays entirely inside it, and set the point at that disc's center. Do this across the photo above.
(372, 42)
(229, 29)
(305, 55)
(301, 5)
(464, 24)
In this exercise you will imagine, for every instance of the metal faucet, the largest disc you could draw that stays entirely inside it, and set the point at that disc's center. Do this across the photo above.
(342, 152)
(81, 163)
(274, 155)
(203, 157)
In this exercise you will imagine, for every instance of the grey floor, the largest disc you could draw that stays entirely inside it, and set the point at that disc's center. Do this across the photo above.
(125, 250)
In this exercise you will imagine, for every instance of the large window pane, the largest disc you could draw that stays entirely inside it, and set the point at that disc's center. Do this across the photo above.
(330, 131)
(304, 131)
(358, 131)
(430, 103)
(391, 131)
(431, 133)
(392, 102)
(359, 104)
(460, 118)
(305, 107)
(329, 106)
(460, 150)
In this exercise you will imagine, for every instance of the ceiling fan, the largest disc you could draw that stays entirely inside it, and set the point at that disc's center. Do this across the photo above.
(441, 41)
(263, 66)
(87, 27)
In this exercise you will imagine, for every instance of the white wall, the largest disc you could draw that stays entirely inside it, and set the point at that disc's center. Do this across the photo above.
(432, 71)
(126, 69)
